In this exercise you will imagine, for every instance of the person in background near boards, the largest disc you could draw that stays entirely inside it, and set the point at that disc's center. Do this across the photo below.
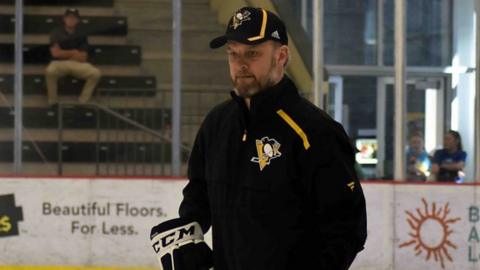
(418, 161)
(448, 163)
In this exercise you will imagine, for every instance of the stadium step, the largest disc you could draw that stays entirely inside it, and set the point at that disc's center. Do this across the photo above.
(205, 73)
(79, 135)
(107, 70)
(58, 10)
(130, 102)
(80, 117)
(45, 39)
(89, 152)
(99, 54)
(75, 169)
(111, 85)
(142, 14)
(155, 2)
(43, 24)
(193, 71)
(96, 3)
(161, 41)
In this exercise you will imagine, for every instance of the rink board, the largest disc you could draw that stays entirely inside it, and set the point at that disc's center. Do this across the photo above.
(115, 234)
(421, 226)
(105, 223)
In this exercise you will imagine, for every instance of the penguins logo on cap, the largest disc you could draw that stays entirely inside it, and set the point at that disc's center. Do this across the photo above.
(239, 18)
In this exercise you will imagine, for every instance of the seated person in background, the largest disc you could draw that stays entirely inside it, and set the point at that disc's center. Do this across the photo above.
(69, 50)
(449, 162)
(418, 161)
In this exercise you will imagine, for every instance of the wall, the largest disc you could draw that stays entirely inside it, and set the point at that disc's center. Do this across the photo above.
(411, 226)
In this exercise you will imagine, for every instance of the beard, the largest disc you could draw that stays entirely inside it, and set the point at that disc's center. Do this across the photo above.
(247, 84)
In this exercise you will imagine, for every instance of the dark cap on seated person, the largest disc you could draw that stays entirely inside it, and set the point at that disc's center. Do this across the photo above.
(72, 11)
(252, 26)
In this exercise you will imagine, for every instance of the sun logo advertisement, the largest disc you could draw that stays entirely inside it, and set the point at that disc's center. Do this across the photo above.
(431, 227)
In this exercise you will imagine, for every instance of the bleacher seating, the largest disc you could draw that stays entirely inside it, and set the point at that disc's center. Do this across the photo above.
(98, 3)
(120, 31)
(78, 117)
(108, 85)
(43, 24)
(98, 54)
(86, 152)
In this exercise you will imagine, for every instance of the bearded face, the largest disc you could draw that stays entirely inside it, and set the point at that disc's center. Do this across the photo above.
(248, 84)
(253, 68)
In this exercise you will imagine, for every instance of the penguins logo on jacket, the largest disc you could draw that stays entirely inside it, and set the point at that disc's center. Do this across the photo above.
(267, 150)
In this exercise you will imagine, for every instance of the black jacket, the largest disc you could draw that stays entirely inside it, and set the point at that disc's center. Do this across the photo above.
(277, 184)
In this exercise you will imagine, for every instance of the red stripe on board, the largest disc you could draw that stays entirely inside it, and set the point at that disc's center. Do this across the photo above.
(406, 182)
(179, 178)
(83, 177)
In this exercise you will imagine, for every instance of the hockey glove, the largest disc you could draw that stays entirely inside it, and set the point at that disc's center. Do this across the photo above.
(179, 245)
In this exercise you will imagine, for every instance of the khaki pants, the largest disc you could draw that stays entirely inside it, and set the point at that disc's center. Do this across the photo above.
(60, 68)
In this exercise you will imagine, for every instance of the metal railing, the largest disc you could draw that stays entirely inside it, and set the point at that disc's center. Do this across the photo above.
(118, 134)
(133, 141)
(123, 146)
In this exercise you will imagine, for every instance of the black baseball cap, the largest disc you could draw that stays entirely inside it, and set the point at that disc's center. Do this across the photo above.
(72, 11)
(252, 26)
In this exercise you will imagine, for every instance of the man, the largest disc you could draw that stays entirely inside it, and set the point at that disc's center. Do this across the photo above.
(69, 50)
(270, 173)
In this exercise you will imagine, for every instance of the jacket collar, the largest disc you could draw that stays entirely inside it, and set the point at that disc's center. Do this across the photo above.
(270, 99)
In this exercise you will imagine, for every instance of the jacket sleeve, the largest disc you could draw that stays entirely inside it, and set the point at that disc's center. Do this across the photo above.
(195, 203)
(336, 200)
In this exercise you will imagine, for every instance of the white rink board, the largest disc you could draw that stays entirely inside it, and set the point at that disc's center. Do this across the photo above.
(410, 229)
(48, 239)
(120, 237)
